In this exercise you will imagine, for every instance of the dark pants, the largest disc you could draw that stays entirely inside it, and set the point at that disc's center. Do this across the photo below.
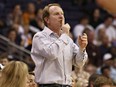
(52, 85)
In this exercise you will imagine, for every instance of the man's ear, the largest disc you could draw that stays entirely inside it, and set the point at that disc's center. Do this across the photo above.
(46, 20)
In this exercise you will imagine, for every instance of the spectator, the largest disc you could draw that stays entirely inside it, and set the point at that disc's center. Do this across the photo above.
(91, 69)
(14, 75)
(107, 25)
(4, 61)
(102, 81)
(13, 36)
(31, 78)
(37, 22)
(106, 46)
(79, 28)
(95, 20)
(101, 34)
(105, 70)
(94, 54)
(29, 14)
(26, 37)
(15, 17)
(92, 78)
(107, 61)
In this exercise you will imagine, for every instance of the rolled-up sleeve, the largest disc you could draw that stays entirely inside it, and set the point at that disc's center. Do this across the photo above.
(80, 57)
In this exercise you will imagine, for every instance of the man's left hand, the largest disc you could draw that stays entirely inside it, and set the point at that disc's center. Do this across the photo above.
(82, 41)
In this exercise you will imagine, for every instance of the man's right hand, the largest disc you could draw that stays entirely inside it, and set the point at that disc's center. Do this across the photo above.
(65, 28)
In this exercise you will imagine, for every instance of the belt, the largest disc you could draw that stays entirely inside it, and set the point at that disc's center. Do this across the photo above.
(53, 85)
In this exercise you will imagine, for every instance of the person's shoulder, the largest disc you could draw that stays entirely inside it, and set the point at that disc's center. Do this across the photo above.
(44, 33)
(40, 34)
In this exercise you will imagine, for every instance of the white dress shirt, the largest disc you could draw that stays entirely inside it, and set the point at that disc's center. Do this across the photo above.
(53, 57)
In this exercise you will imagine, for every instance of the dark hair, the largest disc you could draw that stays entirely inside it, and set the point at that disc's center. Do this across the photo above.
(107, 17)
(104, 67)
(31, 73)
(92, 78)
(86, 30)
(11, 30)
(83, 17)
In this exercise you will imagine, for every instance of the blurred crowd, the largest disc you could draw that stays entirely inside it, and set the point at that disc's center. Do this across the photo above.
(20, 26)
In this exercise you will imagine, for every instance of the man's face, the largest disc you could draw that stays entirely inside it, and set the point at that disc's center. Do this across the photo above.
(106, 73)
(56, 18)
(4, 61)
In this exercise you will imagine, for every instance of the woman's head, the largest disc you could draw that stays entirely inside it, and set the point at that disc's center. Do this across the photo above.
(14, 75)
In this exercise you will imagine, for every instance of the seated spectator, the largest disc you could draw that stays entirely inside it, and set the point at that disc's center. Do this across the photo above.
(100, 35)
(79, 28)
(107, 25)
(31, 78)
(105, 47)
(14, 75)
(29, 14)
(102, 81)
(26, 37)
(113, 50)
(94, 54)
(4, 60)
(105, 70)
(38, 22)
(107, 61)
(15, 17)
(13, 36)
(91, 69)
(95, 20)
(92, 78)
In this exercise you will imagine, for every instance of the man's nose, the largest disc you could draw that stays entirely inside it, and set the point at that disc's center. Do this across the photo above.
(61, 15)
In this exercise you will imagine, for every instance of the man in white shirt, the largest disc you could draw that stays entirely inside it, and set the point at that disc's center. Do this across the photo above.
(54, 52)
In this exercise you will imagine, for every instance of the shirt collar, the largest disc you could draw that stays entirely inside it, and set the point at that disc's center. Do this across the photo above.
(48, 31)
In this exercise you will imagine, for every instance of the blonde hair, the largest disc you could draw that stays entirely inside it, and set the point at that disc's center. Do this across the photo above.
(101, 81)
(14, 75)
